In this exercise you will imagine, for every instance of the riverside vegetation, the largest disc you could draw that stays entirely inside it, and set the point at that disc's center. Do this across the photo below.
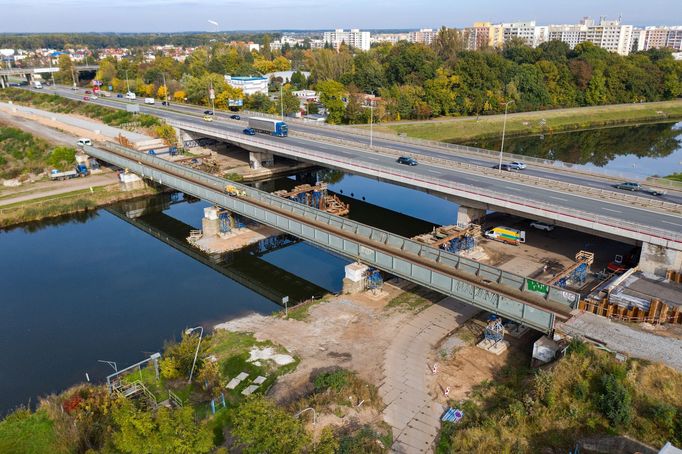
(585, 394)
(86, 418)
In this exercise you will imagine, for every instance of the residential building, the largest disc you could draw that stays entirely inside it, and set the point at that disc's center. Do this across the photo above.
(285, 75)
(571, 34)
(609, 35)
(393, 38)
(521, 30)
(249, 85)
(424, 36)
(353, 38)
(657, 38)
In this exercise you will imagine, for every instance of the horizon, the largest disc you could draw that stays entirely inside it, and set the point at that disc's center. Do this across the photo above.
(194, 16)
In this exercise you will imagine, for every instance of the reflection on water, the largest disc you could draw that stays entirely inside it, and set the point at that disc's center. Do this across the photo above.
(641, 150)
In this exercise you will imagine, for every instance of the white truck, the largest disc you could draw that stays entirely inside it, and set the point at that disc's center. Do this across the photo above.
(130, 95)
(149, 100)
(37, 84)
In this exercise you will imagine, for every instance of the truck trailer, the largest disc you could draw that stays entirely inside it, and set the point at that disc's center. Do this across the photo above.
(79, 171)
(506, 235)
(268, 126)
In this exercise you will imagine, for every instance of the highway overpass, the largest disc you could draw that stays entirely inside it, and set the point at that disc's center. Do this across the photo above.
(513, 296)
(28, 73)
(573, 200)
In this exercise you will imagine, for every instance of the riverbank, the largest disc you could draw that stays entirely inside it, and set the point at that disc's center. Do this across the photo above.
(42, 207)
(539, 122)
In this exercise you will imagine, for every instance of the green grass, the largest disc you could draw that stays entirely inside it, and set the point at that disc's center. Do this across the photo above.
(23, 432)
(675, 177)
(415, 300)
(469, 128)
(301, 312)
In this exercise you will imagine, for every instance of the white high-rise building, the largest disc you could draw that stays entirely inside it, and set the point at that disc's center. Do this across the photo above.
(609, 35)
(657, 38)
(522, 30)
(353, 38)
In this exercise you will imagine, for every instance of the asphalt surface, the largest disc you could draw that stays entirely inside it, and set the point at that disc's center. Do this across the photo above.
(560, 200)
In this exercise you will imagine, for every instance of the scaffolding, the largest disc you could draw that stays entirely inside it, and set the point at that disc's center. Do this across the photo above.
(374, 279)
(452, 238)
(494, 330)
(576, 274)
(317, 197)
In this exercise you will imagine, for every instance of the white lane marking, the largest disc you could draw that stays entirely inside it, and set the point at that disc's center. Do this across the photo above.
(609, 209)
(672, 223)
(558, 198)
(436, 172)
(514, 189)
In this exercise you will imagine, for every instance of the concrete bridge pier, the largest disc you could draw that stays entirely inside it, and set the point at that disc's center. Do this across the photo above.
(658, 260)
(469, 215)
(258, 160)
(4, 81)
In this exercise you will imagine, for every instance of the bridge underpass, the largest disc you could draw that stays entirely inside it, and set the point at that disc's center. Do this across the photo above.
(510, 295)
(29, 73)
(244, 267)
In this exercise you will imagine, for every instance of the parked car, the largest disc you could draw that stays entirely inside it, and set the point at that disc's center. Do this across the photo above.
(407, 160)
(542, 226)
(250, 132)
(517, 165)
(235, 117)
(506, 167)
(208, 118)
(636, 187)
(208, 112)
(83, 141)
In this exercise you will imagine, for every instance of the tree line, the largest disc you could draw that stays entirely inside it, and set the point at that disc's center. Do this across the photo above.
(414, 81)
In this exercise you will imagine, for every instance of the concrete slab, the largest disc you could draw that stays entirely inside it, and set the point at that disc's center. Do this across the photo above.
(242, 376)
(259, 380)
(250, 390)
(233, 383)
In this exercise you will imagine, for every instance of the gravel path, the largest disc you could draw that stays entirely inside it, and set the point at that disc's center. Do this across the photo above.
(627, 340)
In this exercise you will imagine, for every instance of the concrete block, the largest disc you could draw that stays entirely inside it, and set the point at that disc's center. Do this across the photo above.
(492, 347)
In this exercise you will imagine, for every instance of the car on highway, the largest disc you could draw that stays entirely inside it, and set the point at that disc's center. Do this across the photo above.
(517, 165)
(165, 103)
(93, 97)
(636, 187)
(119, 95)
(208, 118)
(86, 98)
(208, 112)
(249, 132)
(235, 117)
(407, 160)
(88, 92)
(505, 167)
(84, 141)
(542, 226)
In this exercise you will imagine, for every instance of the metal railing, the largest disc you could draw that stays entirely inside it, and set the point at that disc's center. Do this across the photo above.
(488, 196)
(558, 296)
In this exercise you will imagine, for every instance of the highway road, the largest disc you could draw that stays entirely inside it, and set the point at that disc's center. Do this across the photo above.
(561, 200)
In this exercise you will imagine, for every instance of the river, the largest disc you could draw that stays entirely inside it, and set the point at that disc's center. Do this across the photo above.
(89, 287)
(634, 150)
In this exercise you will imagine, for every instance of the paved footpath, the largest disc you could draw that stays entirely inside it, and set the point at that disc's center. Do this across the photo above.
(412, 413)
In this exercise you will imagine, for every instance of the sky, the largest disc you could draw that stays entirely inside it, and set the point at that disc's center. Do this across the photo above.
(193, 15)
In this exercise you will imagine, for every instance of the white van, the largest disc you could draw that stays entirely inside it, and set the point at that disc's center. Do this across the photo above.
(84, 141)
(149, 100)
(130, 95)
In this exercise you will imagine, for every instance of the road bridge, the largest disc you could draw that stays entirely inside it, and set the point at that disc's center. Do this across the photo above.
(245, 268)
(513, 296)
(561, 199)
(28, 73)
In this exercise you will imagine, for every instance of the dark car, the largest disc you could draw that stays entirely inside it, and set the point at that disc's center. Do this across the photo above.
(119, 95)
(86, 98)
(250, 132)
(165, 103)
(235, 117)
(628, 186)
(88, 92)
(505, 167)
(208, 112)
(408, 161)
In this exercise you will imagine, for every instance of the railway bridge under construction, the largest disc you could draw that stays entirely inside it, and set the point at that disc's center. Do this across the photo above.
(510, 295)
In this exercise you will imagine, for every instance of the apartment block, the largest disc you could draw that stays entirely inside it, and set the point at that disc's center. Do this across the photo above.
(424, 36)
(353, 38)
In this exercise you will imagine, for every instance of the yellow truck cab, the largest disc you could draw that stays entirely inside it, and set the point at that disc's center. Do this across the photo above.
(506, 235)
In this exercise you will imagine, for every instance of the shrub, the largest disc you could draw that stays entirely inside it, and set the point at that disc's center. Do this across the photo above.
(581, 389)
(615, 402)
(335, 380)
(61, 157)
(664, 414)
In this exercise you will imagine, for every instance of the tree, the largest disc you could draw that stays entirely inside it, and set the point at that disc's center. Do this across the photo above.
(62, 157)
(298, 80)
(261, 426)
(440, 93)
(166, 431)
(179, 96)
(368, 74)
(167, 133)
(258, 102)
(65, 73)
(161, 92)
(227, 93)
(265, 47)
(263, 66)
(449, 42)
(331, 95)
(328, 443)
(291, 103)
(596, 90)
(410, 63)
(281, 64)
(106, 72)
(615, 401)
(183, 353)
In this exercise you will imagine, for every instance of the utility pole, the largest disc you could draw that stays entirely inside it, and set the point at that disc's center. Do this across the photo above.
(165, 88)
(127, 83)
(504, 128)
(371, 121)
(281, 99)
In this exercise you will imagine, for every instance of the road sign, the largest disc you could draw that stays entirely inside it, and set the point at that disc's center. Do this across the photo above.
(211, 94)
(235, 102)
(535, 286)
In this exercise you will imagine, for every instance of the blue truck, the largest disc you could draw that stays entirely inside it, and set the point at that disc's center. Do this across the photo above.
(79, 171)
(268, 126)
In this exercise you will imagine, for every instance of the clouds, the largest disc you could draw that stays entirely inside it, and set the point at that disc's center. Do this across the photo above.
(192, 15)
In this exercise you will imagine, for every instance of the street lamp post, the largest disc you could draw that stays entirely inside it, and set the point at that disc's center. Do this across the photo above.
(281, 99)
(504, 128)
(127, 83)
(165, 88)
(189, 331)
(371, 122)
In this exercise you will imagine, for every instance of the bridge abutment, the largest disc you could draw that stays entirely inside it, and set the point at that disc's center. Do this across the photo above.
(258, 160)
(658, 260)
